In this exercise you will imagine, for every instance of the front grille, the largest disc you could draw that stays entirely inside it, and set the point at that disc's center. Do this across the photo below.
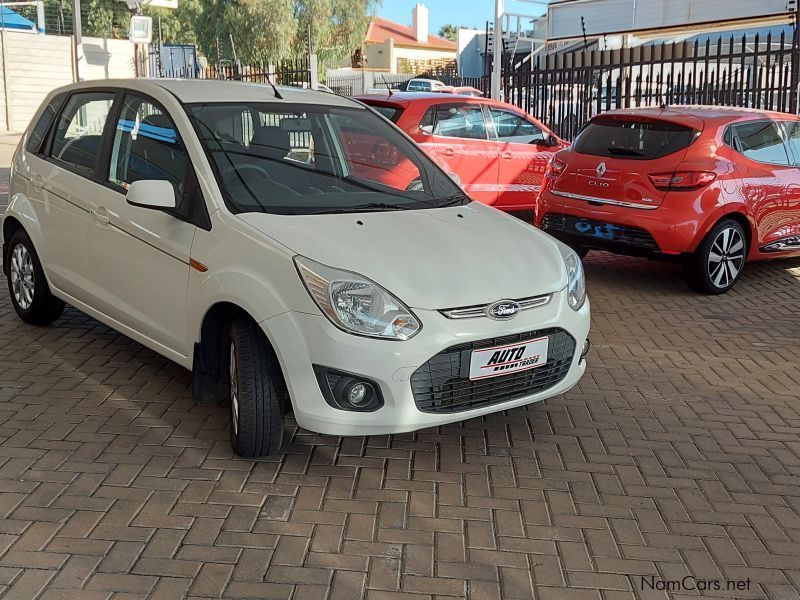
(442, 384)
(631, 236)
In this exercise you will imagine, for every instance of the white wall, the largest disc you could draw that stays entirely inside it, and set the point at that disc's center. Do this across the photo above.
(612, 16)
(36, 64)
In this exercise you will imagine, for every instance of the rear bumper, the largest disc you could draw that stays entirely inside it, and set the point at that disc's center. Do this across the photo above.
(666, 230)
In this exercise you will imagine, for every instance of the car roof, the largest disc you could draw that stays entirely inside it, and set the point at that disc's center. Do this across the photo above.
(217, 90)
(707, 114)
(406, 98)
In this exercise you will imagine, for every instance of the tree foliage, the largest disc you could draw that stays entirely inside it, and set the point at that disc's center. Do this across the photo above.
(252, 31)
(263, 31)
(449, 31)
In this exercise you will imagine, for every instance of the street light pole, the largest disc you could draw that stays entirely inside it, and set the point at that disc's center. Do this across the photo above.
(497, 49)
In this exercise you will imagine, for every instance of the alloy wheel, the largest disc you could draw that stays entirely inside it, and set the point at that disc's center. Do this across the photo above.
(234, 387)
(726, 257)
(22, 282)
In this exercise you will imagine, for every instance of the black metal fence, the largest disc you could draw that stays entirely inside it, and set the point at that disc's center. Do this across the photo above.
(288, 72)
(565, 90)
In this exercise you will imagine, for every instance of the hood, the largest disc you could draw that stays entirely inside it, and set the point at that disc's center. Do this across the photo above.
(431, 259)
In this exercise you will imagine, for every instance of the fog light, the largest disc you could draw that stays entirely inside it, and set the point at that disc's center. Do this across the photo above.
(358, 394)
(348, 391)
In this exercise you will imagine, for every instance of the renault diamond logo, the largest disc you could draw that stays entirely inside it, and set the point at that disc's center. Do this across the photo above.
(503, 310)
(601, 169)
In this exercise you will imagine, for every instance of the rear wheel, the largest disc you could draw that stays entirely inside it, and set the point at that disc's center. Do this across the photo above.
(27, 285)
(718, 262)
(255, 384)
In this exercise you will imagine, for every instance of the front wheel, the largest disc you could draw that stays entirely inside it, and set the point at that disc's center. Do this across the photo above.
(718, 262)
(30, 294)
(254, 389)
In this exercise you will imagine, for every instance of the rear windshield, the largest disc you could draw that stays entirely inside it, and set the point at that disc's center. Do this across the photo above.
(390, 112)
(637, 139)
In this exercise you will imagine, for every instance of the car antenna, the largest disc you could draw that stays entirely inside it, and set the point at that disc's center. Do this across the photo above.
(388, 87)
(274, 89)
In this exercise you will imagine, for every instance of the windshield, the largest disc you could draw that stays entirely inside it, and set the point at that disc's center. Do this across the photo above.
(292, 160)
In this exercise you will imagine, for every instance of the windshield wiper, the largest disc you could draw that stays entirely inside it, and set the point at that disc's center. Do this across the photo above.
(456, 199)
(623, 151)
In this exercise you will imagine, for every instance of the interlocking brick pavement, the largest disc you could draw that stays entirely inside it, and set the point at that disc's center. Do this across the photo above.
(678, 454)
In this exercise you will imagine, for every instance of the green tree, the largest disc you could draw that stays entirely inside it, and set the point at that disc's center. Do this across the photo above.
(264, 31)
(449, 31)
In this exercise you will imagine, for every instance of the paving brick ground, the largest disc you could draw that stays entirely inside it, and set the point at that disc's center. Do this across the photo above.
(678, 454)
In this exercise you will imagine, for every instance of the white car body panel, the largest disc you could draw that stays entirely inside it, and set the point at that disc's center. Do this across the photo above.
(130, 269)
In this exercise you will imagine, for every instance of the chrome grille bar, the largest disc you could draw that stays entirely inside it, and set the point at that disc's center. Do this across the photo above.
(473, 312)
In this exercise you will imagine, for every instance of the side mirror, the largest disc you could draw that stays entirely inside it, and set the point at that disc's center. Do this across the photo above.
(548, 142)
(426, 129)
(151, 193)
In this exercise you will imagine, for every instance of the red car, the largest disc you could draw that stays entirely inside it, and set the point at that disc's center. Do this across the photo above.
(714, 186)
(499, 152)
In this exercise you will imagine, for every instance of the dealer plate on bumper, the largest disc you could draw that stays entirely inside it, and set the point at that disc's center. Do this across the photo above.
(501, 360)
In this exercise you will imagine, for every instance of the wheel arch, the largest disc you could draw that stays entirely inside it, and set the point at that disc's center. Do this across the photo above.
(736, 213)
(10, 226)
(209, 374)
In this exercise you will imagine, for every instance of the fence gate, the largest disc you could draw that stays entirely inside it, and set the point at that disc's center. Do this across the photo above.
(565, 90)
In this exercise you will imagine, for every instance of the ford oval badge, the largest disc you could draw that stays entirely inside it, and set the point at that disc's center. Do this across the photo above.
(503, 309)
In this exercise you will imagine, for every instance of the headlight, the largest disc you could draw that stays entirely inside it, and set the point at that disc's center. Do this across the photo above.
(576, 285)
(356, 304)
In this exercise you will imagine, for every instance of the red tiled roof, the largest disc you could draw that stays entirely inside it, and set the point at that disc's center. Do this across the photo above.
(382, 29)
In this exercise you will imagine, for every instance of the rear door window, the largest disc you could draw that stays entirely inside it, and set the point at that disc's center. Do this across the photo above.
(642, 139)
(79, 129)
(761, 141)
(460, 121)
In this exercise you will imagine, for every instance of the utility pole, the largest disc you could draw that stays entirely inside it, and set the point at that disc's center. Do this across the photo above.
(497, 49)
(77, 40)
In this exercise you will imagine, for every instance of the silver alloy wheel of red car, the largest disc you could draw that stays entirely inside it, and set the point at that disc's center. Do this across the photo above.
(726, 257)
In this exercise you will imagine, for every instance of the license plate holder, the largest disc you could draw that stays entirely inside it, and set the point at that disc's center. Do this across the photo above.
(508, 358)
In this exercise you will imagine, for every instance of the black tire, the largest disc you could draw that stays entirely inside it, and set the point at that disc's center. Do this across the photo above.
(27, 284)
(255, 388)
(718, 262)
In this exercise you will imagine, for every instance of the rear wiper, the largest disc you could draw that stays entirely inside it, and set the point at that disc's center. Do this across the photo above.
(623, 151)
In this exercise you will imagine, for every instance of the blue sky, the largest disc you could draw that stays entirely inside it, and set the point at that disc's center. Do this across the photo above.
(469, 13)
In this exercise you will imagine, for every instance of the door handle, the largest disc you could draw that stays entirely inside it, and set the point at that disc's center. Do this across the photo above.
(448, 152)
(506, 156)
(100, 215)
(37, 181)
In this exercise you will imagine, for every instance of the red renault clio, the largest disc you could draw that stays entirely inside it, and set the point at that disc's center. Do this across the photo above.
(715, 187)
(498, 151)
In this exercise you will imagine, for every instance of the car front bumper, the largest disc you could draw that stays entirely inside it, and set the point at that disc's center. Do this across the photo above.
(302, 340)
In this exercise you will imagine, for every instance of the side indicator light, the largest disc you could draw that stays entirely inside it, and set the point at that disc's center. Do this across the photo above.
(197, 265)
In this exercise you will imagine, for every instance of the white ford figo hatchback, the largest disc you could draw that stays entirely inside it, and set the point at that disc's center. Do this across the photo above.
(293, 249)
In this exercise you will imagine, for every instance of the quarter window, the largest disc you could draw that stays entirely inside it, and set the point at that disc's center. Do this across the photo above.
(79, 130)
(39, 131)
(761, 141)
(511, 127)
(146, 146)
(460, 121)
